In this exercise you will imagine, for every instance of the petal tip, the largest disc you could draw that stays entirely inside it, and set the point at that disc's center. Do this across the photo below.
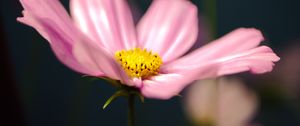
(276, 59)
(253, 31)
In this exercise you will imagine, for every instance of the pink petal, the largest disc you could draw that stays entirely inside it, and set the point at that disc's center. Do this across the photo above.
(236, 41)
(50, 19)
(48, 9)
(96, 57)
(169, 28)
(107, 22)
(238, 55)
(135, 82)
(257, 60)
(165, 86)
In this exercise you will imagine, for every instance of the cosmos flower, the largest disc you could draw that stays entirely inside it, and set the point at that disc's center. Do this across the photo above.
(100, 39)
(223, 102)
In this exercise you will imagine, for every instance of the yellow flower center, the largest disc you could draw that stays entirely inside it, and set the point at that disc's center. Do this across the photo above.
(139, 63)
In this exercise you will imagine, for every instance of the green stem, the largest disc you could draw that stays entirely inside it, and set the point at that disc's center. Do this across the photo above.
(131, 110)
(210, 11)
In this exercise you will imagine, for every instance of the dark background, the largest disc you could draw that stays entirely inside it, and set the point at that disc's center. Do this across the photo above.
(37, 90)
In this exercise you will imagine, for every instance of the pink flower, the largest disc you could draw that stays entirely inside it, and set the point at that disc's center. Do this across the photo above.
(222, 102)
(152, 53)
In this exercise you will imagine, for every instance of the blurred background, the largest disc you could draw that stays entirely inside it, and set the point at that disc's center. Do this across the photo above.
(37, 90)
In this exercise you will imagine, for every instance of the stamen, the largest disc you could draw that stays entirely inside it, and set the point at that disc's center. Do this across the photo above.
(139, 63)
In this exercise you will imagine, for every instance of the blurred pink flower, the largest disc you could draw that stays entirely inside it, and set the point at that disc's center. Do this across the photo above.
(100, 39)
(224, 102)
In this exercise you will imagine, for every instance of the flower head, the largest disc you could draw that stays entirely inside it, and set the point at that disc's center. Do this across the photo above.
(91, 40)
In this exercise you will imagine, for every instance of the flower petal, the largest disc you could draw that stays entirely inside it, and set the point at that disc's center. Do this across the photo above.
(165, 86)
(257, 60)
(238, 55)
(169, 28)
(48, 9)
(50, 19)
(236, 41)
(95, 56)
(231, 58)
(107, 22)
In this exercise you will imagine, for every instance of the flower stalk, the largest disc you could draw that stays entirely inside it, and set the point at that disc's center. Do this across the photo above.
(131, 110)
(210, 11)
